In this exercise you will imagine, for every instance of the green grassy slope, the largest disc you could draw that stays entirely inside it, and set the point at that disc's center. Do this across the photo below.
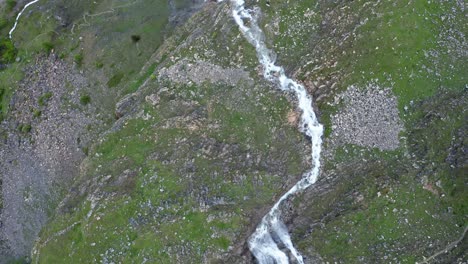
(187, 179)
(413, 198)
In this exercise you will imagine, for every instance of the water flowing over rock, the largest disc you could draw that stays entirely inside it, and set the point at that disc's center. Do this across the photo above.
(183, 131)
(261, 243)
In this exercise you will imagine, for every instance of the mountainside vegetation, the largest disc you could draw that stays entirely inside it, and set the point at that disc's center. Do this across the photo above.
(143, 131)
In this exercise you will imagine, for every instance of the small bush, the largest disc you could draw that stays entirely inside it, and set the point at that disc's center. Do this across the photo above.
(26, 128)
(2, 92)
(10, 4)
(3, 23)
(37, 113)
(7, 51)
(115, 80)
(86, 151)
(44, 98)
(136, 38)
(79, 59)
(85, 99)
(48, 47)
(99, 64)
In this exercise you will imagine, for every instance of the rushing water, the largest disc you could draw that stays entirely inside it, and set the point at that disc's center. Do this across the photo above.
(261, 243)
(19, 15)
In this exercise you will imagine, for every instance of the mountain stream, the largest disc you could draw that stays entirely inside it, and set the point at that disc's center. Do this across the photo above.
(265, 242)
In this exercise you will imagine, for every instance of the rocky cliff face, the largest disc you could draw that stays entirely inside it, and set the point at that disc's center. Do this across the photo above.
(144, 132)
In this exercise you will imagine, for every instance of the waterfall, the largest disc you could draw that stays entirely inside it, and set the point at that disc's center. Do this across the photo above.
(261, 243)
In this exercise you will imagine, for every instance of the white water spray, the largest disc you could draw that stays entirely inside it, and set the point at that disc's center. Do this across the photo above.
(261, 243)
(19, 15)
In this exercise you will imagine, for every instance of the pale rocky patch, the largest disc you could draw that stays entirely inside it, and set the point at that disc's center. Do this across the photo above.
(368, 117)
(198, 72)
(293, 118)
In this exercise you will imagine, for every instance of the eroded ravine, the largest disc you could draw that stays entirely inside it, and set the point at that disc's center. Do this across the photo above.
(261, 243)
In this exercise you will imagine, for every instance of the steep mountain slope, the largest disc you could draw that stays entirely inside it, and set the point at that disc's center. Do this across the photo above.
(58, 94)
(204, 150)
(143, 131)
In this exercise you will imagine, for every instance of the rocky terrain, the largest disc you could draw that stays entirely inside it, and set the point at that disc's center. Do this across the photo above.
(44, 147)
(143, 131)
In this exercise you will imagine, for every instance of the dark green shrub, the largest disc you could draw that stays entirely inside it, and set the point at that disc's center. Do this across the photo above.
(3, 23)
(115, 80)
(44, 98)
(10, 4)
(48, 47)
(85, 99)
(136, 38)
(26, 128)
(7, 51)
(37, 113)
(79, 59)
(86, 150)
(99, 64)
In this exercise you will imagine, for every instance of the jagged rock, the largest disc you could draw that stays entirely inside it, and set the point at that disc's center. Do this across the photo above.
(125, 105)
(153, 99)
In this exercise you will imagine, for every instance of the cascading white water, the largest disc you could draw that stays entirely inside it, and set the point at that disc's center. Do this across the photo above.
(19, 15)
(261, 243)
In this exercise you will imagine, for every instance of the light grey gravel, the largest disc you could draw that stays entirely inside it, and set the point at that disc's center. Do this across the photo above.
(369, 118)
(200, 71)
